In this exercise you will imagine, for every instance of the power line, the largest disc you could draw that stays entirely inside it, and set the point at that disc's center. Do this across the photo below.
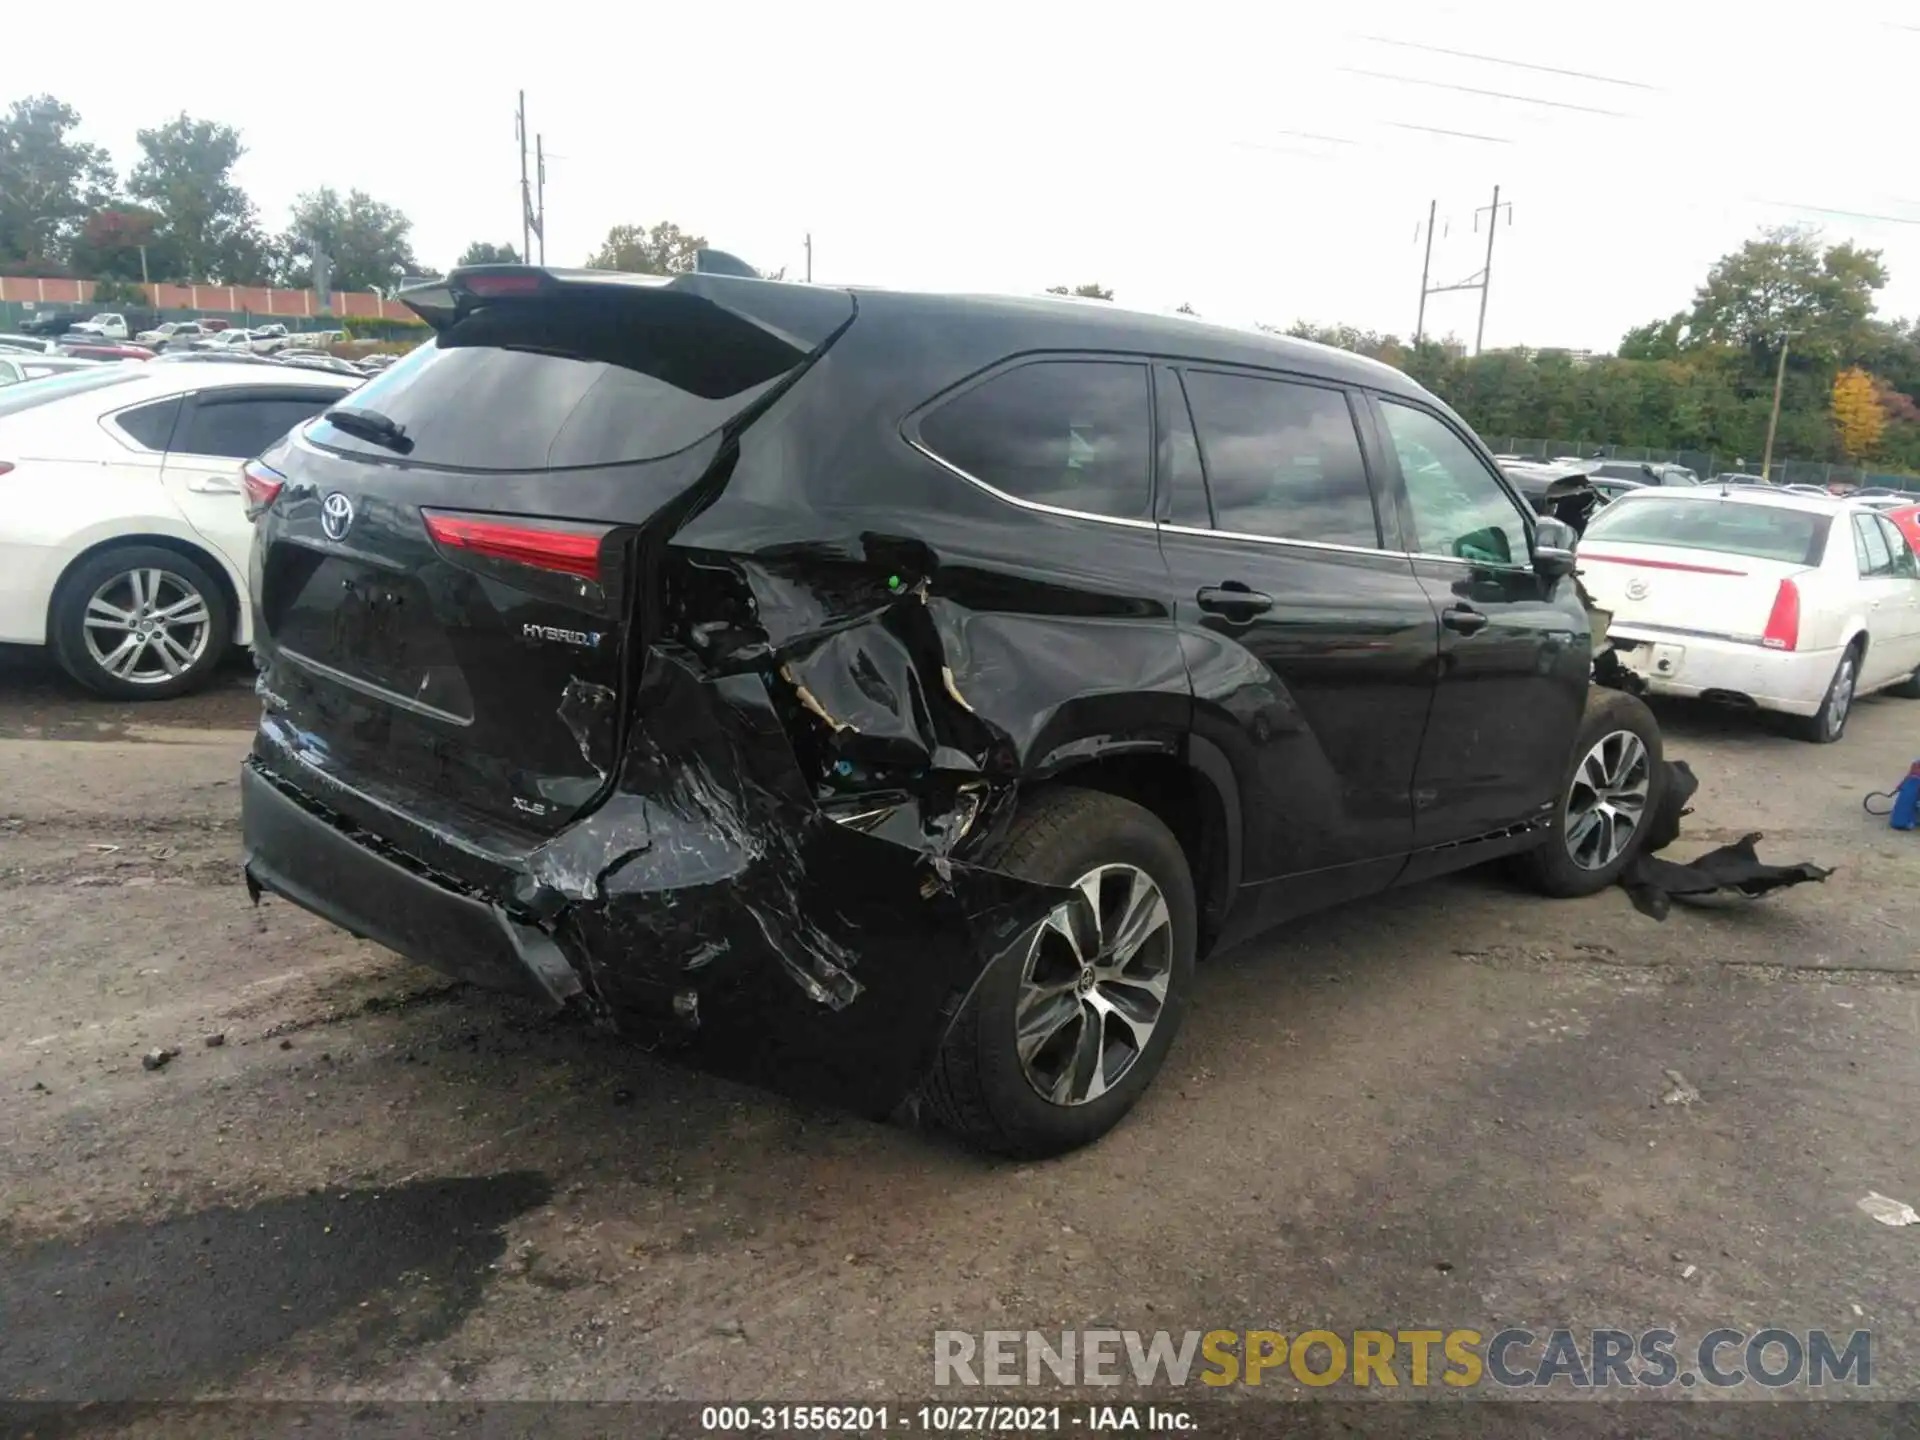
(1456, 134)
(1491, 94)
(1520, 64)
(1844, 214)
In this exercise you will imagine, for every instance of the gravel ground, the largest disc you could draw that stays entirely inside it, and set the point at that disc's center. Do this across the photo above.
(1443, 1107)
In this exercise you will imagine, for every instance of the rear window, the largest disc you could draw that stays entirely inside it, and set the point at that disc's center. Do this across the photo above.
(571, 381)
(1763, 532)
(32, 393)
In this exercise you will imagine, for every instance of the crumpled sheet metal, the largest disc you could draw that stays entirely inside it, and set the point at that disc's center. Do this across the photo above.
(1653, 883)
(713, 902)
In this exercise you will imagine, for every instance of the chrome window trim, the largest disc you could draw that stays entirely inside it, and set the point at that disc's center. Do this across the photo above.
(1036, 506)
(1285, 540)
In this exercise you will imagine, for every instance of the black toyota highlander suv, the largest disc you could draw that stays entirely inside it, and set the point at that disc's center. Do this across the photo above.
(889, 696)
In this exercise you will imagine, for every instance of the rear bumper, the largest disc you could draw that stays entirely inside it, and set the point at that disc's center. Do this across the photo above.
(302, 855)
(1792, 682)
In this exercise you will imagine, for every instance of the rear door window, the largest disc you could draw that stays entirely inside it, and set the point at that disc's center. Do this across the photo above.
(1870, 547)
(1905, 564)
(238, 425)
(1282, 459)
(603, 379)
(1072, 434)
(150, 425)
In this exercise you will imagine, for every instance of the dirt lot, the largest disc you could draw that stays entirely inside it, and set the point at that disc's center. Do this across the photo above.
(1443, 1108)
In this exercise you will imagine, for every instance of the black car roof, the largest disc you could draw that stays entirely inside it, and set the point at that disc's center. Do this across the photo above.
(1053, 322)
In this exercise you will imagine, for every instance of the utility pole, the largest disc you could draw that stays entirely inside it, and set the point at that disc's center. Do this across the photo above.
(1486, 275)
(809, 257)
(144, 280)
(1426, 268)
(1476, 281)
(540, 189)
(526, 206)
(1773, 419)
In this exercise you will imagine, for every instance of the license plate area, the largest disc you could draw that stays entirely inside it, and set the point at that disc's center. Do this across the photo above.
(369, 623)
(1650, 659)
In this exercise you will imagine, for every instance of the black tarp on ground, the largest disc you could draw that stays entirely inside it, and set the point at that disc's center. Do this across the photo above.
(1652, 883)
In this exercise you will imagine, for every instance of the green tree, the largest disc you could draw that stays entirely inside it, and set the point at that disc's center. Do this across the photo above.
(482, 252)
(666, 249)
(365, 241)
(1656, 340)
(48, 184)
(185, 172)
(1085, 292)
(1787, 280)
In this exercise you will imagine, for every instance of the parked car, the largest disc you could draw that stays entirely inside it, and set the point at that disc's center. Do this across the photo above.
(123, 542)
(267, 339)
(107, 325)
(14, 344)
(1738, 477)
(105, 352)
(224, 342)
(606, 639)
(47, 323)
(1792, 603)
(1907, 521)
(17, 367)
(1643, 472)
(314, 360)
(173, 332)
(1565, 492)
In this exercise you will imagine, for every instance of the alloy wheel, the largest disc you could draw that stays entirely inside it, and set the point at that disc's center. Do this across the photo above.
(1094, 986)
(1608, 799)
(147, 626)
(1840, 698)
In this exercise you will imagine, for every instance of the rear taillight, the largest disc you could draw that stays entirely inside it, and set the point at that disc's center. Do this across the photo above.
(1783, 625)
(569, 552)
(261, 484)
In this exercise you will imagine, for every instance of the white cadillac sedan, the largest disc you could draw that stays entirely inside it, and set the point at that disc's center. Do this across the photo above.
(123, 530)
(1792, 603)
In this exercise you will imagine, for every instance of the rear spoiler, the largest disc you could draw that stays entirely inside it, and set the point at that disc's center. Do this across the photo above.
(804, 316)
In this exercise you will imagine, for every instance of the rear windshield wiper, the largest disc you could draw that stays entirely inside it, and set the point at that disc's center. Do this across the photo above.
(371, 425)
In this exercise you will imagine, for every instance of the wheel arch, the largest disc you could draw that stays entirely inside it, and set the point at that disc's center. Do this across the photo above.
(1196, 797)
(202, 555)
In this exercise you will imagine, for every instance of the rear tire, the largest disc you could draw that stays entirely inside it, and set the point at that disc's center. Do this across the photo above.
(140, 622)
(1610, 792)
(1082, 1021)
(1829, 723)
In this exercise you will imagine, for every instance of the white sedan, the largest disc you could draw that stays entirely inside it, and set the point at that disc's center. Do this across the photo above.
(123, 534)
(1769, 599)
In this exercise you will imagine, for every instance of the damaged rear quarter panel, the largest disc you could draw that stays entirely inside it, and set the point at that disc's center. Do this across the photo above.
(840, 704)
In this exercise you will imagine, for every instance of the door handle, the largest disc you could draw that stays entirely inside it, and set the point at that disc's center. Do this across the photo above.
(1463, 620)
(1234, 600)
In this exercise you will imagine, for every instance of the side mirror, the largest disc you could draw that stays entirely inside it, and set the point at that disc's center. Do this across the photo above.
(1553, 546)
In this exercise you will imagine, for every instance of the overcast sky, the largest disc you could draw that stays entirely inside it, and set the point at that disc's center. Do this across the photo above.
(1261, 161)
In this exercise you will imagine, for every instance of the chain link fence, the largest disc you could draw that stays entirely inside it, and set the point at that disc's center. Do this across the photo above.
(1707, 463)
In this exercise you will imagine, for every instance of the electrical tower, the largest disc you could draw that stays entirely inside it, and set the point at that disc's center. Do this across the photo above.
(1480, 280)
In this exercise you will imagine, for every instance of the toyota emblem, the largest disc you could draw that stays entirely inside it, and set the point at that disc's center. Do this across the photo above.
(336, 515)
(1636, 587)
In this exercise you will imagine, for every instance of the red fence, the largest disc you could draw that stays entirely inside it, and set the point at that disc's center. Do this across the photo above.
(237, 299)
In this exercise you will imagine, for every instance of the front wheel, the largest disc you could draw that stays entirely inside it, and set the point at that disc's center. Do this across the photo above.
(139, 622)
(1067, 1030)
(1611, 790)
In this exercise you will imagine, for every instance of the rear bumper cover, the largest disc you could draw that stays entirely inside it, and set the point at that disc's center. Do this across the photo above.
(1792, 682)
(301, 854)
(765, 942)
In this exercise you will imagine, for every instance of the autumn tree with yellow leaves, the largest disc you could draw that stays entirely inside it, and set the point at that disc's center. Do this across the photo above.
(1856, 413)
